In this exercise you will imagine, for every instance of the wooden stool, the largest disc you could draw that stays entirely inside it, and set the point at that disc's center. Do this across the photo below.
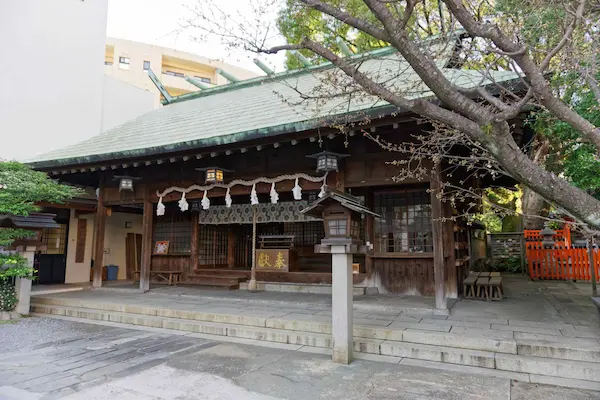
(483, 288)
(469, 285)
(496, 288)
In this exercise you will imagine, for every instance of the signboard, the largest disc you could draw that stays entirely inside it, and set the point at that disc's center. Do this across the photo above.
(273, 260)
(161, 247)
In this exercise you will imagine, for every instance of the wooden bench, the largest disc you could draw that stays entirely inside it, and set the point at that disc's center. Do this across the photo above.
(495, 288)
(172, 277)
(469, 285)
(483, 287)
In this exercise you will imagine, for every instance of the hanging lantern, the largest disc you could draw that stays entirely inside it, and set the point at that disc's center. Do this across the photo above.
(126, 182)
(327, 160)
(214, 174)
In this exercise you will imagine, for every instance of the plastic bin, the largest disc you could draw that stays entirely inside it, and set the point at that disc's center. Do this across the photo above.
(112, 271)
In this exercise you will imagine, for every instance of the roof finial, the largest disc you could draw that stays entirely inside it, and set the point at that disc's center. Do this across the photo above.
(263, 66)
(305, 61)
(197, 83)
(344, 47)
(231, 78)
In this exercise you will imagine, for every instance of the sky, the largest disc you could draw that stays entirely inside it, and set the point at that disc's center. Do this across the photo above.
(149, 21)
(159, 22)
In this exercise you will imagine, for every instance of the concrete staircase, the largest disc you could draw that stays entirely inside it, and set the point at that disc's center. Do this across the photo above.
(567, 361)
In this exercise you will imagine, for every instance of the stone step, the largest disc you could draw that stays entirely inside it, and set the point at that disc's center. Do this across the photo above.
(564, 348)
(222, 285)
(222, 272)
(216, 278)
(570, 369)
(286, 287)
(450, 355)
(458, 355)
(461, 337)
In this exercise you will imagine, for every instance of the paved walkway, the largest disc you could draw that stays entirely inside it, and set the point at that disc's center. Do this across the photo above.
(99, 362)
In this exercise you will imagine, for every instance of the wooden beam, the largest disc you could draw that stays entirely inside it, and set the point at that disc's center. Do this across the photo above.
(147, 220)
(439, 266)
(99, 235)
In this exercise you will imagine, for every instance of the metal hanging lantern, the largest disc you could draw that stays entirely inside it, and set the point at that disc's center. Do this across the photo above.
(327, 161)
(126, 182)
(214, 174)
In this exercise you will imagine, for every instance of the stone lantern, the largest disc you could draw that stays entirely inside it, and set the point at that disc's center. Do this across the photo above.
(341, 214)
(547, 237)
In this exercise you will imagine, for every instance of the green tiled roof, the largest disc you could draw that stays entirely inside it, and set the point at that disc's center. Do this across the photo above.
(256, 108)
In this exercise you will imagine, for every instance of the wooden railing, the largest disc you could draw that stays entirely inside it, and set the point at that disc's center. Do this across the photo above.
(560, 262)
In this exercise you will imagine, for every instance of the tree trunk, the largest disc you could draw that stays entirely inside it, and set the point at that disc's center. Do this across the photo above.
(532, 203)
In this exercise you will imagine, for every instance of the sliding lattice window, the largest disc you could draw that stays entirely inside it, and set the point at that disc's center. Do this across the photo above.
(405, 226)
(212, 245)
(177, 230)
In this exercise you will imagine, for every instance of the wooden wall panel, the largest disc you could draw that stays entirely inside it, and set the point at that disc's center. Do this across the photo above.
(171, 263)
(411, 276)
(81, 239)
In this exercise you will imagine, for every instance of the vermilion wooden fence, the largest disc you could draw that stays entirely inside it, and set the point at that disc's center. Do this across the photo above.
(560, 262)
(561, 235)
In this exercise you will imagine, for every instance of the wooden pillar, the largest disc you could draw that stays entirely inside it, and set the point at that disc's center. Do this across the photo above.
(230, 248)
(194, 245)
(369, 234)
(99, 244)
(439, 266)
(147, 220)
(450, 254)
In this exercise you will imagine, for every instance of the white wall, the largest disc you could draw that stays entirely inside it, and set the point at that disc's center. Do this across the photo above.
(114, 239)
(114, 244)
(122, 102)
(51, 66)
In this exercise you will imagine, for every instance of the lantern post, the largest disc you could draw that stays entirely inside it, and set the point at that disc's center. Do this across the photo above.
(341, 214)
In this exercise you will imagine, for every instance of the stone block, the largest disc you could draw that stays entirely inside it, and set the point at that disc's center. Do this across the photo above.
(420, 326)
(565, 382)
(367, 345)
(572, 332)
(549, 367)
(310, 339)
(461, 341)
(295, 325)
(535, 324)
(566, 350)
(526, 329)
(489, 333)
(377, 333)
(444, 354)
(444, 322)
(269, 335)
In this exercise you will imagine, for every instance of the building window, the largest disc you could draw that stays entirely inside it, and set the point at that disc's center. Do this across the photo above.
(405, 224)
(173, 73)
(175, 228)
(124, 62)
(202, 79)
(146, 65)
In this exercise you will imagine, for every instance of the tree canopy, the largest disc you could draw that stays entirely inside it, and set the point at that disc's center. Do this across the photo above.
(539, 40)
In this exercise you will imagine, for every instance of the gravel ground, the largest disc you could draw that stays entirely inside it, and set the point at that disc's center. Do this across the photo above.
(34, 331)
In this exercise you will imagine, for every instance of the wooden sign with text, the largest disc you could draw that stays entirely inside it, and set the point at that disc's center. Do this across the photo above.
(273, 260)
